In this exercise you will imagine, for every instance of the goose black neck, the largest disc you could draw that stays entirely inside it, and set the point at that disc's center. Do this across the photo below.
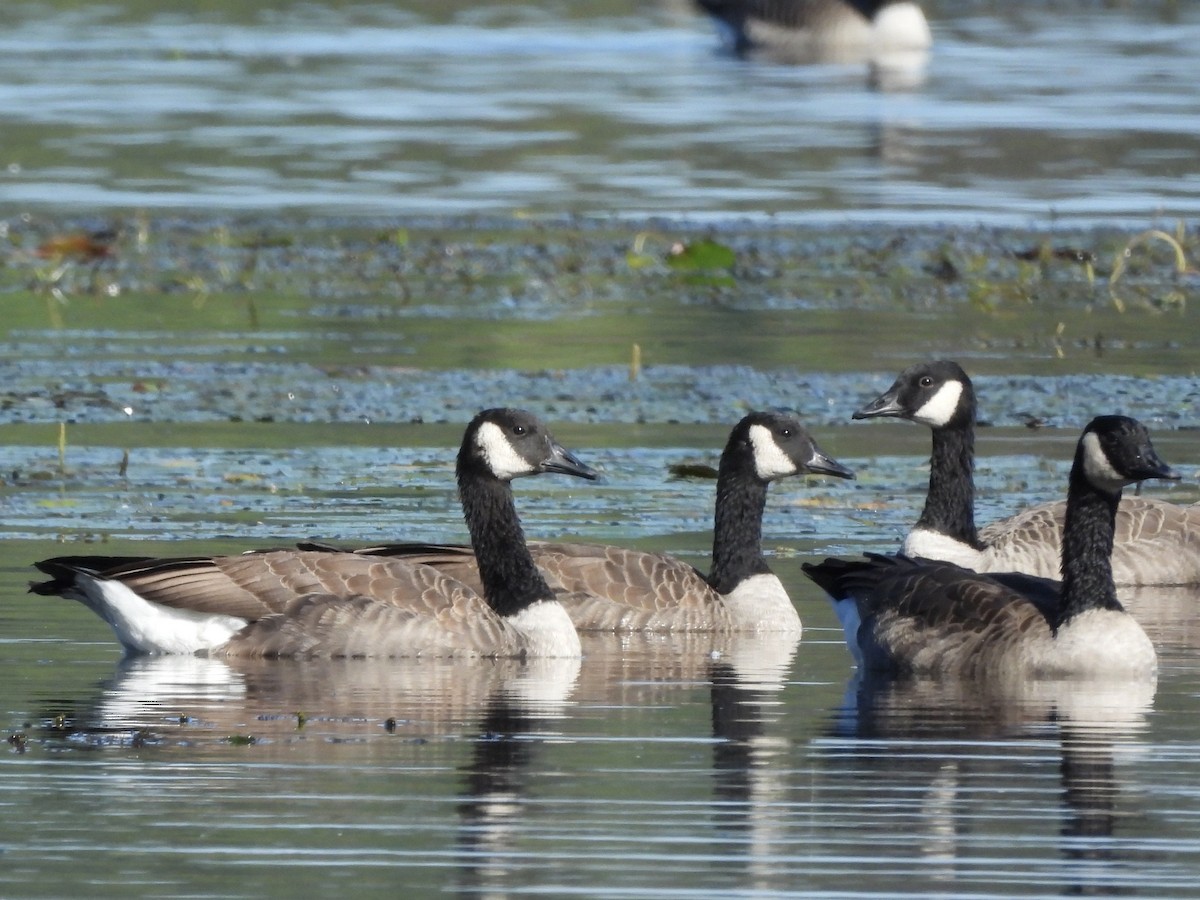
(1087, 579)
(950, 504)
(868, 9)
(511, 581)
(737, 524)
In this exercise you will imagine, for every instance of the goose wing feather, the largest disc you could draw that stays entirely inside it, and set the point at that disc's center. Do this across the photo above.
(925, 617)
(277, 578)
(326, 625)
(608, 588)
(255, 585)
(602, 587)
(456, 560)
(192, 583)
(1028, 541)
(1155, 542)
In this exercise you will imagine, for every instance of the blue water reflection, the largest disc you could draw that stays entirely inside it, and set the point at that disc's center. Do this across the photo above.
(1024, 113)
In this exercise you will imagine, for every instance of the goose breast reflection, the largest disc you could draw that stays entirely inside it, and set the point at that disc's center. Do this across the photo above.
(294, 603)
(935, 618)
(835, 30)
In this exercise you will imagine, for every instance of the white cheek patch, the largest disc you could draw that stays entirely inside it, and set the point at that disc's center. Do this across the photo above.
(940, 408)
(498, 453)
(1097, 467)
(769, 460)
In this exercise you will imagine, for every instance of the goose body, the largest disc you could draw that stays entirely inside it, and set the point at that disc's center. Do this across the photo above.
(820, 28)
(923, 617)
(608, 588)
(1154, 543)
(298, 603)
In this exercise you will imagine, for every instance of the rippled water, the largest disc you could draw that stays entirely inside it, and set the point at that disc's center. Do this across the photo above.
(671, 766)
(1024, 112)
(668, 768)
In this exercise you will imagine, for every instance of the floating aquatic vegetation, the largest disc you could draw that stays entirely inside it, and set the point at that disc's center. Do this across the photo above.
(1172, 297)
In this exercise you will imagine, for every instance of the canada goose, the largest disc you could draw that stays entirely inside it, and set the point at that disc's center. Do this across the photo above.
(606, 588)
(289, 603)
(821, 28)
(935, 618)
(1156, 542)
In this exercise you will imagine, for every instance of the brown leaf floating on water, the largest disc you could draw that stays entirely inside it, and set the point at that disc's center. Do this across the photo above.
(81, 246)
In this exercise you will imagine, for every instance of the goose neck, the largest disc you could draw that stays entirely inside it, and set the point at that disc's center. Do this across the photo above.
(511, 581)
(1087, 579)
(950, 503)
(737, 528)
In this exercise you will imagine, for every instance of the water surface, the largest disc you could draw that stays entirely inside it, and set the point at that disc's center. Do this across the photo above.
(672, 768)
(1023, 112)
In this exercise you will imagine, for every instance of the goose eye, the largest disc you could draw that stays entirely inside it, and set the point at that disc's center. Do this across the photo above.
(786, 432)
(519, 430)
(926, 380)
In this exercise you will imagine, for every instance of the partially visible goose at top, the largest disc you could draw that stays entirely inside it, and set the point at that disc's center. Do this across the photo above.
(920, 617)
(606, 588)
(821, 29)
(293, 603)
(1155, 543)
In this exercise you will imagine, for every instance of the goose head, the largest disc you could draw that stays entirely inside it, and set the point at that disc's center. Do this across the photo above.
(503, 444)
(938, 394)
(1115, 451)
(777, 445)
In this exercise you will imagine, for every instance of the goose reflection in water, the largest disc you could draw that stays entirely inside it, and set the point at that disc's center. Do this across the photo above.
(1167, 613)
(410, 714)
(752, 778)
(313, 704)
(744, 674)
(331, 720)
(891, 37)
(493, 804)
(940, 756)
(746, 685)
